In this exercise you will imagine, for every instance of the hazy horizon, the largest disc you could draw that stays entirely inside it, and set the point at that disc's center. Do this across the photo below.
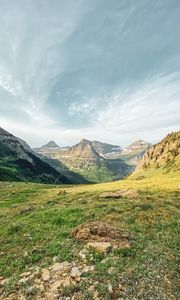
(100, 70)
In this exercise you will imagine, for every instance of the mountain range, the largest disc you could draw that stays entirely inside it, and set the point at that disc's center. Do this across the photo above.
(91, 159)
(87, 161)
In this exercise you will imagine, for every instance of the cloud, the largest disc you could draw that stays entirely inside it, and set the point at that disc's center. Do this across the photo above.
(102, 69)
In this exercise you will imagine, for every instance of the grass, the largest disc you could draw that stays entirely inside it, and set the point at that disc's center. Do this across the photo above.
(36, 221)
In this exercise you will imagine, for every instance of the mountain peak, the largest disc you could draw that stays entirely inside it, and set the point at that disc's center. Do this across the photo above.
(85, 141)
(51, 144)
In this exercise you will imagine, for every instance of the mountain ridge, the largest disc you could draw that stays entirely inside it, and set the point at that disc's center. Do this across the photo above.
(88, 159)
(162, 154)
(18, 162)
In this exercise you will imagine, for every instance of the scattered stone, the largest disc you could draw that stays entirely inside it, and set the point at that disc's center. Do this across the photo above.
(23, 280)
(36, 249)
(67, 282)
(63, 267)
(103, 247)
(105, 260)
(75, 272)
(46, 275)
(25, 274)
(129, 193)
(25, 254)
(2, 281)
(82, 255)
(111, 270)
(88, 269)
(110, 289)
(55, 259)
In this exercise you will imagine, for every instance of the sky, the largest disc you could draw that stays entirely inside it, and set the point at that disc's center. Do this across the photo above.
(96, 69)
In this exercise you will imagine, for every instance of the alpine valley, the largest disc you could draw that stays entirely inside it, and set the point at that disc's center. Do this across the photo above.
(95, 161)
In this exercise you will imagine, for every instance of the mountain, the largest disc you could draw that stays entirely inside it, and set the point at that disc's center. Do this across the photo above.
(50, 145)
(163, 157)
(18, 162)
(104, 149)
(87, 159)
(138, 145)
(61, 168)
(133, 153)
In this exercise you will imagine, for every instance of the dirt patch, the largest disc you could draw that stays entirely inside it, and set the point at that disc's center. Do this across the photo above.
(101, 234)
(130, 194)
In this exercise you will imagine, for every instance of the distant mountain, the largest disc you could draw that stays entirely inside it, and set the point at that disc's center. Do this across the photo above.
(18, 162)
(105, 149)
(88, 159)
(133, 153)
(138, 145)
(50, 145)
(163, 157)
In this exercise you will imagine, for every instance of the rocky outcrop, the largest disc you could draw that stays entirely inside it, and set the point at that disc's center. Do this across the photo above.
(130, 194)
(163, 154)
(102, 236)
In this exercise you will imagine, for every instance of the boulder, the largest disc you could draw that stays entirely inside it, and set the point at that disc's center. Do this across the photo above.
(103, 247)
(129, 193)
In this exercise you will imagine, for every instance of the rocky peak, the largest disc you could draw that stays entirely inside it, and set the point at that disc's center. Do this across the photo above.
(137, 144)
(51, 144)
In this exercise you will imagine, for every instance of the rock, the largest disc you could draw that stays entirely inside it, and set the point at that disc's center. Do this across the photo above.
(111, 270)
(3, 281)
(129, 193)
(83, 234)
(82, 255)
(110, 289)
(63, 267)
(49, 296)
(25, 274)
(36, 249)
(55, 259)
(25, 254)
(23, 280)
(105, 260)
(88, 269)
(101, 246)
(75, 272)
(102, 232)
(46, 275)
(55, 286)
(109, 195)
(66, 282)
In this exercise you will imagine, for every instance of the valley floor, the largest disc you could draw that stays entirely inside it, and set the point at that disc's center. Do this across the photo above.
(35, 225)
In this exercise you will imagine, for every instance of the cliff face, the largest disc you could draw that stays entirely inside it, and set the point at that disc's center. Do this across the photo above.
(164, 154)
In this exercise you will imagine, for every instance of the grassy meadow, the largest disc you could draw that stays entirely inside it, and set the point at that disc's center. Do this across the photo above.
(36, 220)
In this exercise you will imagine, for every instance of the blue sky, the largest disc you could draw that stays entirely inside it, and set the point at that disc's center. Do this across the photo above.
(96, 69)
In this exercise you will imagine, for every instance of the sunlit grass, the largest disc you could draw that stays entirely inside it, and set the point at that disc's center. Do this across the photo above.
(37, 219)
